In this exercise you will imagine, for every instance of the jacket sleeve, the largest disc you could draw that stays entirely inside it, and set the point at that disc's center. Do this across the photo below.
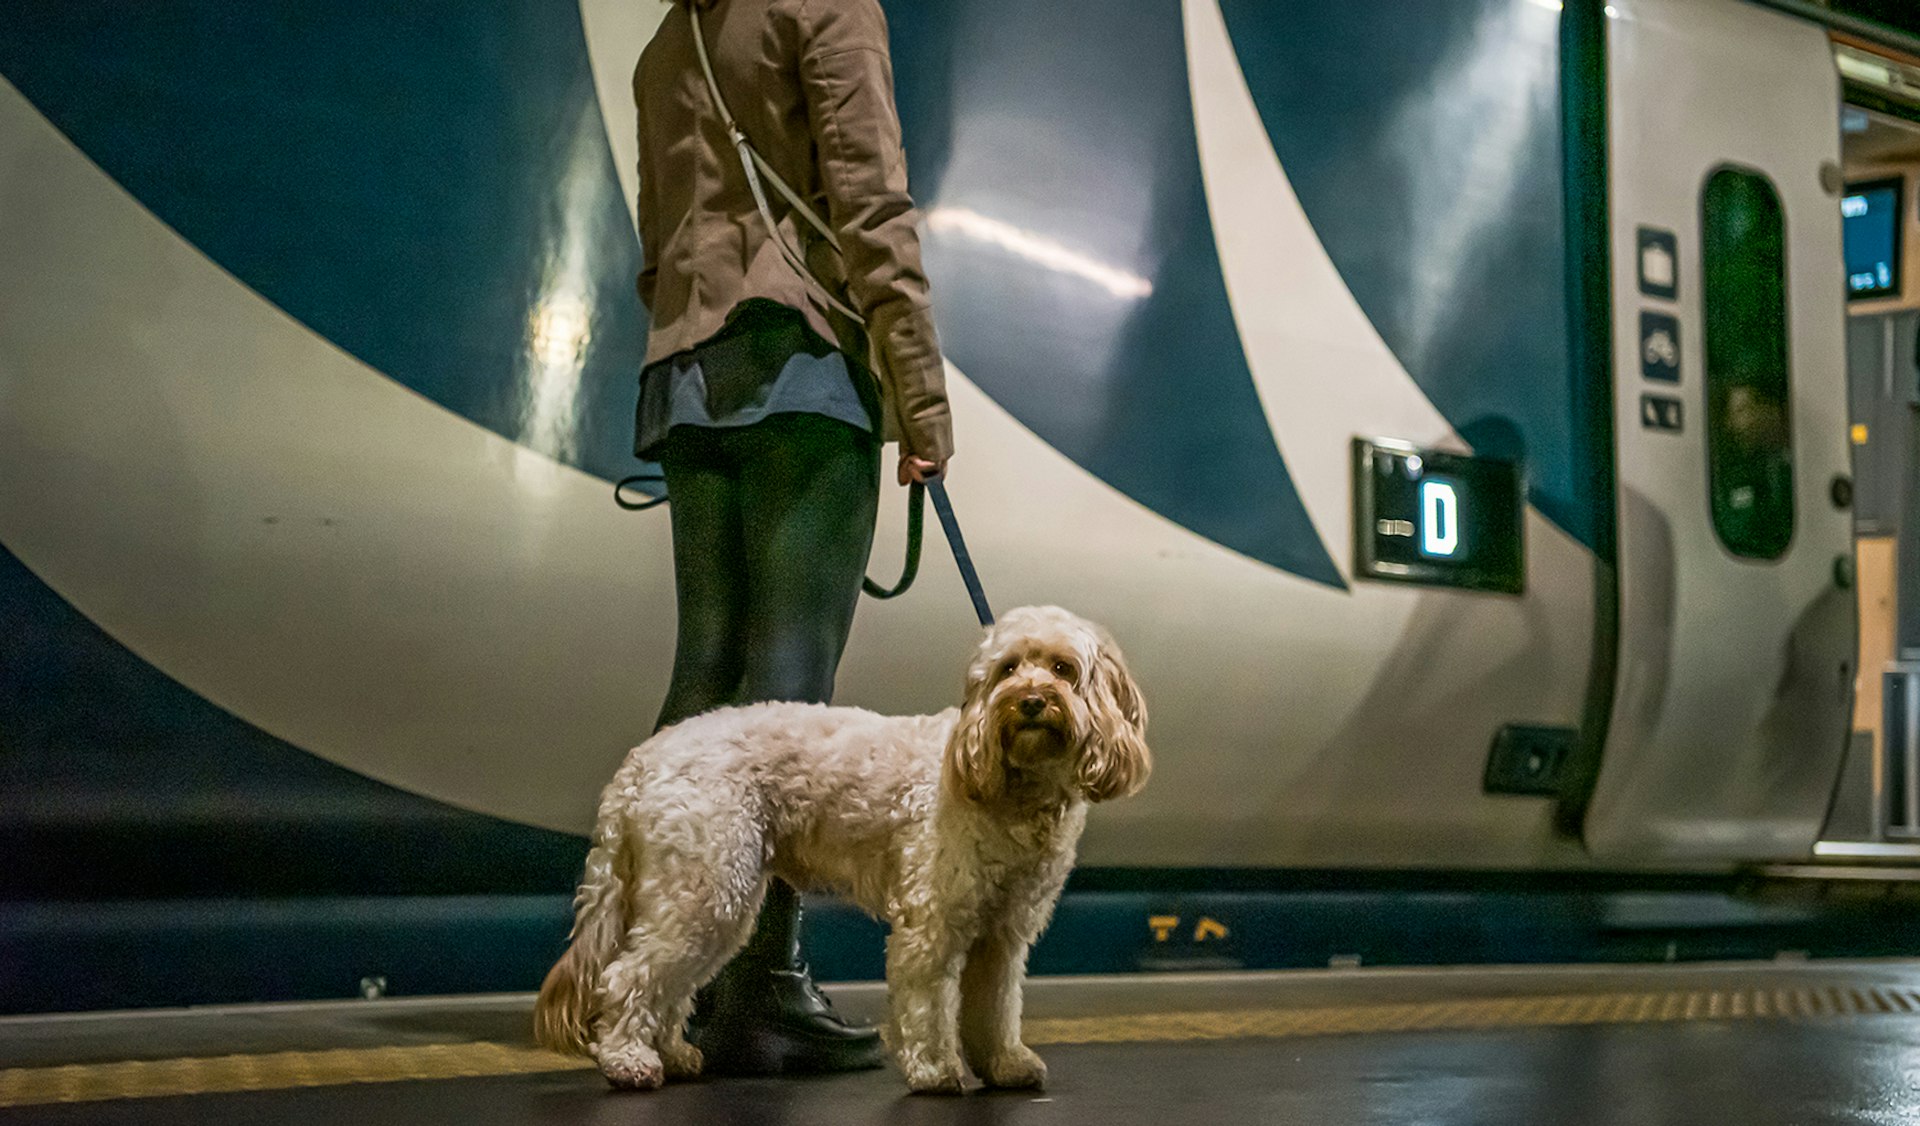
(847, 76)
(647, 207)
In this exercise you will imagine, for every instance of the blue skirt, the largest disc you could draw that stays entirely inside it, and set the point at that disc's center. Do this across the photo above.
(767, 361)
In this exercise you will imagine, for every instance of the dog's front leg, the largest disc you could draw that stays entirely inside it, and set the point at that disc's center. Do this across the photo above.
(923, 971)
(991, 989)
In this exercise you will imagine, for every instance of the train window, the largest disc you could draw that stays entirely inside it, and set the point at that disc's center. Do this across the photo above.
(1749, 401)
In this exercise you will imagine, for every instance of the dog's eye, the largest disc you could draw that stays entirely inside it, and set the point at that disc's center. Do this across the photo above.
(1064, 670)
(1007, 669)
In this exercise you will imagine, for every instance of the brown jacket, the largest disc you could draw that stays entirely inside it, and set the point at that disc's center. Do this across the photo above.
(811, 84)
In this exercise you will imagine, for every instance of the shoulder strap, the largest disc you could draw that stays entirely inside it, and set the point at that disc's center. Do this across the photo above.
(756, 167)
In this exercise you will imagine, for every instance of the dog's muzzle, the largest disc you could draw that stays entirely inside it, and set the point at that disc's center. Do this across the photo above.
(1034, 725)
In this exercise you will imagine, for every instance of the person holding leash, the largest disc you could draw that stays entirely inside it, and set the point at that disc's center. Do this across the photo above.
(778, 362)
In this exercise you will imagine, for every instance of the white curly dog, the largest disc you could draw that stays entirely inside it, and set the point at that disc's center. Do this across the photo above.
(957, 829)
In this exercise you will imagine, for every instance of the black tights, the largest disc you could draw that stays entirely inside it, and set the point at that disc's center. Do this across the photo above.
(772, 524)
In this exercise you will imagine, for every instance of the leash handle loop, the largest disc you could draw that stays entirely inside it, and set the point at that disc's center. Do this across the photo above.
(620, 488)
(916, 533)
(916, 524)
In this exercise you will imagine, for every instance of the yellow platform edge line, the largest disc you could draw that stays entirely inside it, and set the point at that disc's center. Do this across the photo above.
(269, 1071)
(272, 1071)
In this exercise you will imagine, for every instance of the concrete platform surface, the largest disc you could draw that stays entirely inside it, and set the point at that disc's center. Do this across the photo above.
(1751, 1044)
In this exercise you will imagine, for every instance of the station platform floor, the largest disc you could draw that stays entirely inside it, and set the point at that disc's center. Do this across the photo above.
(1746, 1043)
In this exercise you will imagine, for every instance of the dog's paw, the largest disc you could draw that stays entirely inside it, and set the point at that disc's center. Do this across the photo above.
(1019, 1068)
(937, 1083)
(682, 1060)
(934, 1077)
(632, 1067)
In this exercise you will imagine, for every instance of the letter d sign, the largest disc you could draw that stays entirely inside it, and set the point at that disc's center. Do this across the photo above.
(1439, 519)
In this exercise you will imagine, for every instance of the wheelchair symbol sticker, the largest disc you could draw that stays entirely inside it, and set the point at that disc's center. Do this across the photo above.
(1660, 347)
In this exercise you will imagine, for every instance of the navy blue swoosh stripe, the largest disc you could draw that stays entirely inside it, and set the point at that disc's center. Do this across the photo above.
(118, 782)
(1161, 405)
(1424, 141)
(402, 178)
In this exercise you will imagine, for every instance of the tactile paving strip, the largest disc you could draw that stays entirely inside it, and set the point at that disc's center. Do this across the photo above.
(271, 1071)
(30, 1086)
(1493, 1012)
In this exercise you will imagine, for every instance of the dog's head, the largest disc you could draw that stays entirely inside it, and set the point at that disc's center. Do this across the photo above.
(1051, 713)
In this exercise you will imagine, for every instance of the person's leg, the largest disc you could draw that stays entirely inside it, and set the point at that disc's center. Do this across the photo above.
(810, 488)
(809, 492)
(709, 578)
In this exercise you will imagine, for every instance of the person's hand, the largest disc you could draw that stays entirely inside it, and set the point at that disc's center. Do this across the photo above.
(918, 469)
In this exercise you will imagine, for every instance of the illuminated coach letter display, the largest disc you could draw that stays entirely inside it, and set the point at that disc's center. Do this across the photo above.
(1422, 516)
(1439, 519)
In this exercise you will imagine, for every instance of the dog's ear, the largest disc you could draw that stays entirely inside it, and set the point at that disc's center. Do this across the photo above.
(1115, 762)
(974, 767)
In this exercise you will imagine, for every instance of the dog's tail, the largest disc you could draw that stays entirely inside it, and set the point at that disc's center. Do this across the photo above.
(563, 1016)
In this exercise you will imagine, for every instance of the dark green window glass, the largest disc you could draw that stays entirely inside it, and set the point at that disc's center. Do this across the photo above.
(1749, 400)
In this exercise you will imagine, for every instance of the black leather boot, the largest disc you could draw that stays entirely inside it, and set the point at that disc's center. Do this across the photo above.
(762, 1014)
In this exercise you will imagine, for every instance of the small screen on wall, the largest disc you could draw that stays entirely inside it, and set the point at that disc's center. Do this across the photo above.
(1871, 214)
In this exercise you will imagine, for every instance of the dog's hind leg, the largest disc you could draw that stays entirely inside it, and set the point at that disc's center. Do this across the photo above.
(991, 989)
(688, 921)
(629, 1024)
(681, 1059)
(710, 946)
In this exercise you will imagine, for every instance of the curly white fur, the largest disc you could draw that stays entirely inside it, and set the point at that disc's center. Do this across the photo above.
(957, 829)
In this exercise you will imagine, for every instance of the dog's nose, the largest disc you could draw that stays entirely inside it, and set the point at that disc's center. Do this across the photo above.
(1031, 706)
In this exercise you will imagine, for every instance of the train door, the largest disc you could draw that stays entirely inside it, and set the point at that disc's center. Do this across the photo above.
(1736, 632)
(1876, 808)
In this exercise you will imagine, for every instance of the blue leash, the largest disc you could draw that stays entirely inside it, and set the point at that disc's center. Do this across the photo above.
(943, 508)
(916, 527)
